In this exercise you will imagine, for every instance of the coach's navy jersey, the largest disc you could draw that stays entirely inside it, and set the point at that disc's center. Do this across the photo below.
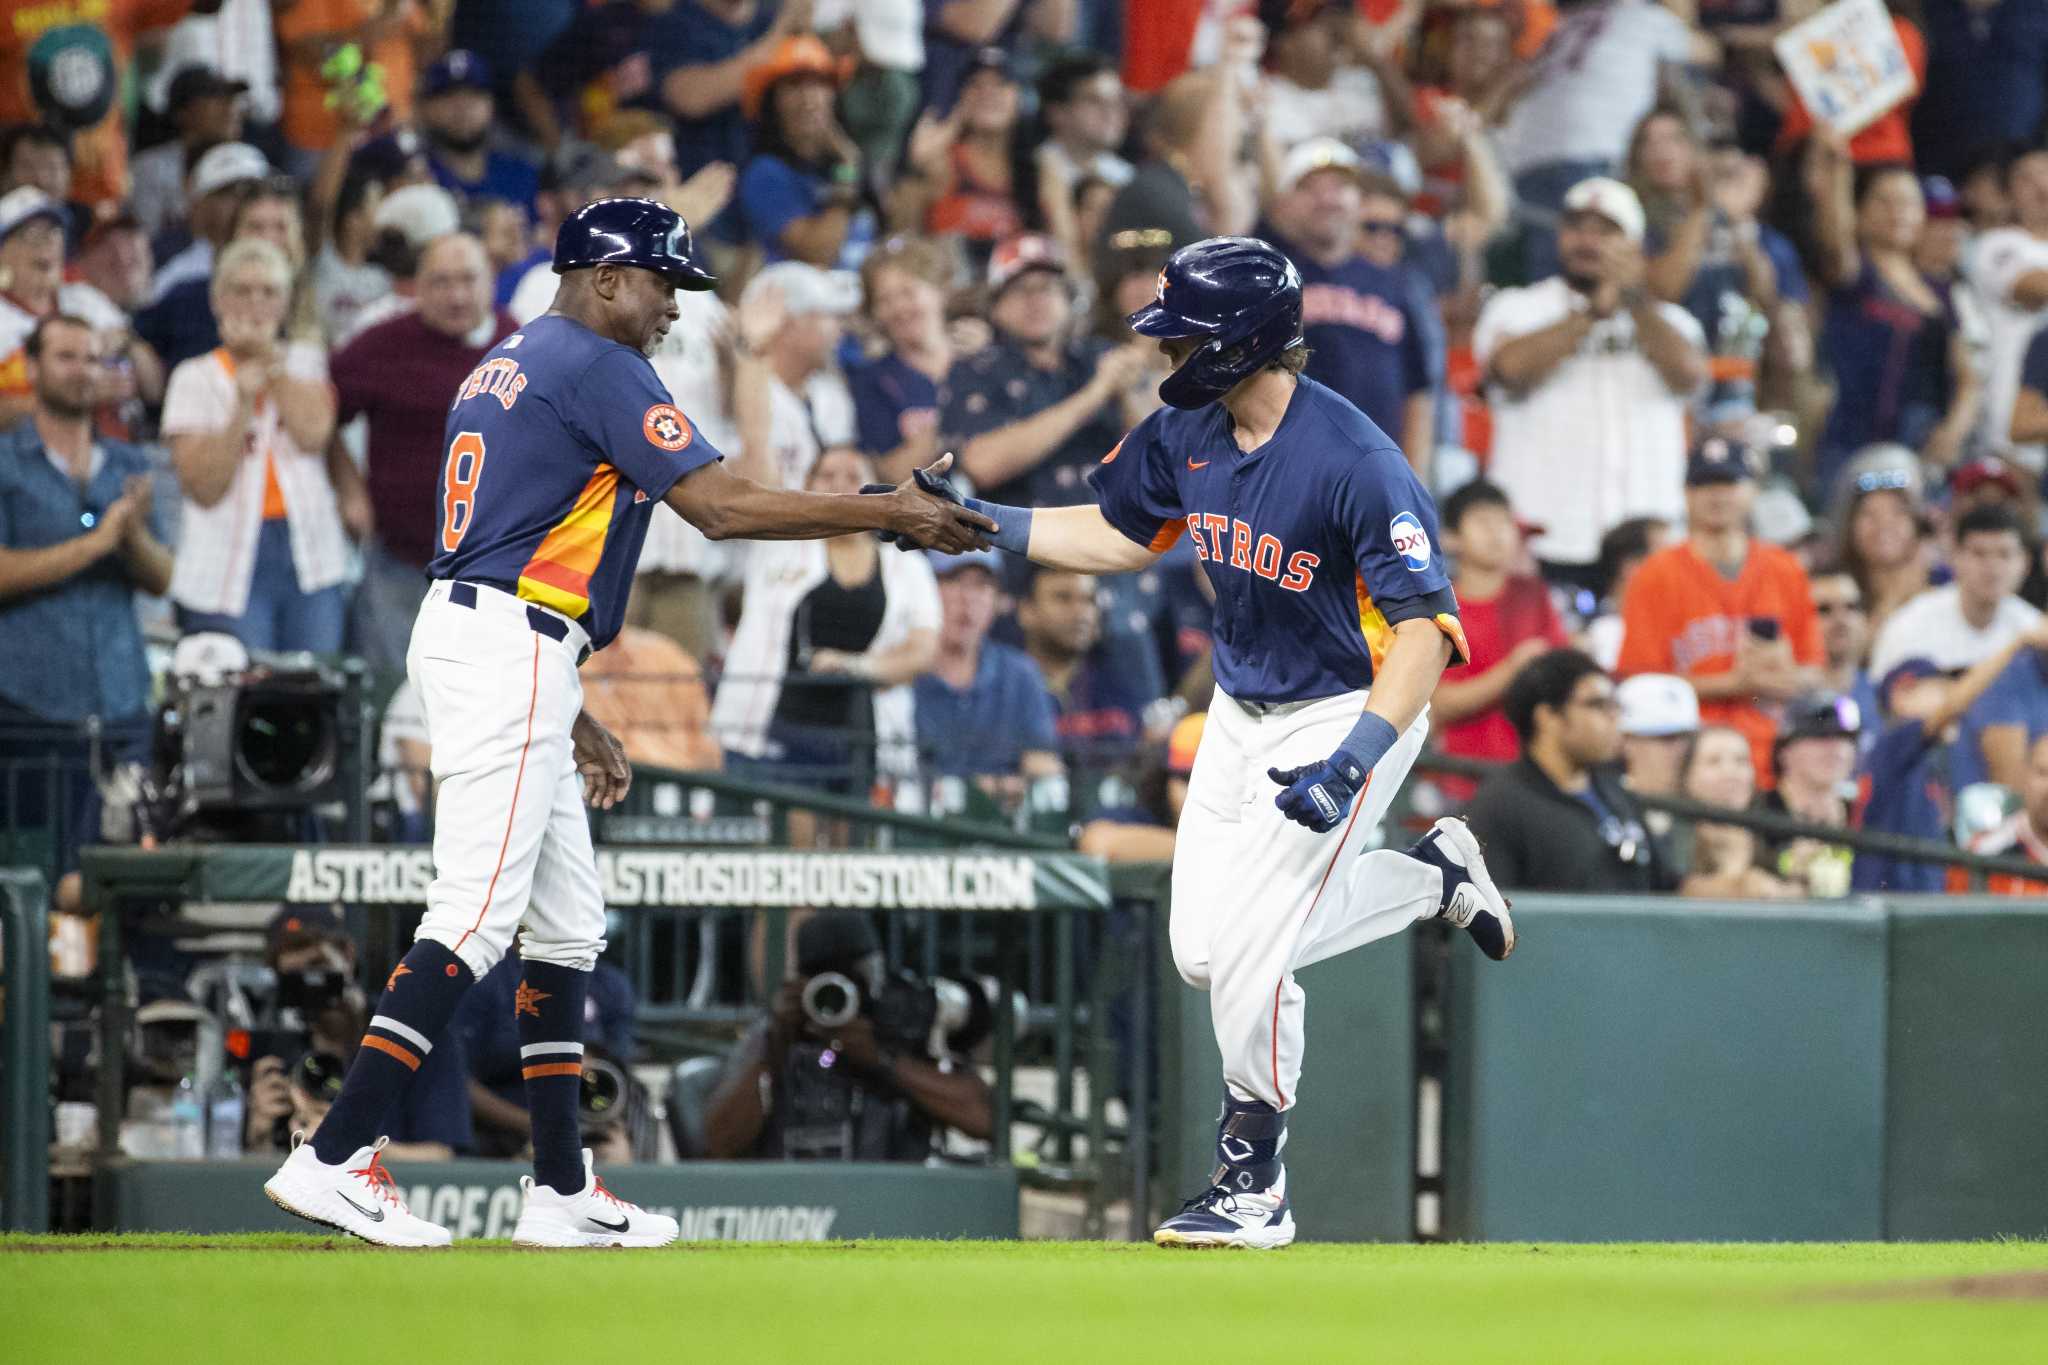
(558, 446)
(1317, 543)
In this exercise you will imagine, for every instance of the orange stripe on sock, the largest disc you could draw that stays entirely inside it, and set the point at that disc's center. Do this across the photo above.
(385, 1045)
(553, 1069)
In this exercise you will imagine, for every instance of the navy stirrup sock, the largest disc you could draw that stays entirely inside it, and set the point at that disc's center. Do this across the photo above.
(549, 1009)
(419, 998)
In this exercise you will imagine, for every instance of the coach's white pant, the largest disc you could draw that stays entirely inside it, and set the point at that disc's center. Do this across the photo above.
(511, 840)
(1256, 896)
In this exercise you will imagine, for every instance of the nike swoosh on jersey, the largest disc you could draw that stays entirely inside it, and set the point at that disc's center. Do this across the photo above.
(374, 1215)
(1192, 465)
(619, 1226)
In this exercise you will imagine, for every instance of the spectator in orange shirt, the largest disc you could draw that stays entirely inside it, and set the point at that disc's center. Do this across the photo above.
(649, 692)
(389, 32)
(31, 34)
(1729, 613)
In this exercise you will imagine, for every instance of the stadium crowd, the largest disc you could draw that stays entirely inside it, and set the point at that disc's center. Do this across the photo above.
(1738, 425)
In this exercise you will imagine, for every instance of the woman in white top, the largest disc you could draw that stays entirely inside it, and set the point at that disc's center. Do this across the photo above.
(262, 554)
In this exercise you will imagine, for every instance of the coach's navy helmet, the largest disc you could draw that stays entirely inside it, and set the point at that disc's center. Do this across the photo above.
(1239, 294)
(637, 232)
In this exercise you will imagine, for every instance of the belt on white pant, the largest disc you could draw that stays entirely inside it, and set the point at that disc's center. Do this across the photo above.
(540, 621)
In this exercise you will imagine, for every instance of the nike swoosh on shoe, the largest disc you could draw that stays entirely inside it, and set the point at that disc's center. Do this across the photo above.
(374, 1215)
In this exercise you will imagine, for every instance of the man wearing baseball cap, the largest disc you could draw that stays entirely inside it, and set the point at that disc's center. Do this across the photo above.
(32, 288)
(983, 711)
(220, 178)
(1362, 319)
(1660, 714)
(205, 108)
(1031, 413)
(1589, 377)
(1034, 410)
(789, 323)
(1731, 614)
(456, 108)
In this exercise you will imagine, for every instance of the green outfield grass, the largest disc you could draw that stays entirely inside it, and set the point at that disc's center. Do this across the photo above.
(307, 1300)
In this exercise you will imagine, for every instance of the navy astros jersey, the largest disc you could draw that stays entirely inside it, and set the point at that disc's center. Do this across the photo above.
(1318, 543)
(559, 444)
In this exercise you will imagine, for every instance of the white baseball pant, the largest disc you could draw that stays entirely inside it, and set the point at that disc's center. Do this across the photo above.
(1256, 896)
(511, 839)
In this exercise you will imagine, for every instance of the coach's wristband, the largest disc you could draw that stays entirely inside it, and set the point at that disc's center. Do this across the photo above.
(1013, 523)
(1367, 744)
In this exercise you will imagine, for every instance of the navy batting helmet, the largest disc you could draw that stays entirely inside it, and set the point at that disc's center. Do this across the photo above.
(1241, 296)
(638, 232)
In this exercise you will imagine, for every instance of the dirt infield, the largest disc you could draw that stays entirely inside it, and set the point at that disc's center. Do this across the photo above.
(2010, 1284)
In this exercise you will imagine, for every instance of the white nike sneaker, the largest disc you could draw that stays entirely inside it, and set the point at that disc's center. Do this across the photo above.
(1473, 903)
(1222, 1217)
(594, 1217)
(358, 1197)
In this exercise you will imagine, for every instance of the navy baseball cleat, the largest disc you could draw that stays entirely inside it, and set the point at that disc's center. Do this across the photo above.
(1471, 900)
(1246, 1203)
(1258, 1220)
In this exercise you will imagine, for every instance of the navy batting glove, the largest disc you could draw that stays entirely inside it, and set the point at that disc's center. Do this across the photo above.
(1319, 795)
(937, 487)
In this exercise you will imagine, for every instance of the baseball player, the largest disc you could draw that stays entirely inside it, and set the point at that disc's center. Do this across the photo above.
(557, 448)
(1333, 621)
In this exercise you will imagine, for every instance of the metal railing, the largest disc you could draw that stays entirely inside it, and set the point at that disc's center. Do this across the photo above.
(1900, 847)
(25, 1065)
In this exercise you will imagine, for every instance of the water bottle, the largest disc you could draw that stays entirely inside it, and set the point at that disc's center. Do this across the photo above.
(188, 1139)
(224, 1118)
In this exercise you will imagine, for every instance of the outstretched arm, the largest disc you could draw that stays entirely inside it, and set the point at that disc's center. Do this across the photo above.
(725, 506)
(1081, 540)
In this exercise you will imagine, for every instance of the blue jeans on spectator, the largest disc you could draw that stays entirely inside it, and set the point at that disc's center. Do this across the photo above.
(1539, 203)
(279, 615)
(381, 614)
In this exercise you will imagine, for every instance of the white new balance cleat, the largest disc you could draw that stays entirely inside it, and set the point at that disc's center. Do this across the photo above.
(1471, 901)
(357, 1197)
(594, 1217)
(1221, 1217)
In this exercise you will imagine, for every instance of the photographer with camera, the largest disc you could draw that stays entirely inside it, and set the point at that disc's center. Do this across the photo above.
(309, 1029)
(853, 1063)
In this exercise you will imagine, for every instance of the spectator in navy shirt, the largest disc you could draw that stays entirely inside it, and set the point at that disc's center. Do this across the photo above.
(896, 394)
(456, 108)
(1032, 412)
(1101, 708)
(1365, 338)
(956, 29)
(983, 711)
(1905, 782)
(1900, 363)
(802, 196)
(1987, 80)
(702, 52)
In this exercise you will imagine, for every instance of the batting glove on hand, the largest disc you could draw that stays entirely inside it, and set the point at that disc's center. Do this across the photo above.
(929, 483)
(1319, 795)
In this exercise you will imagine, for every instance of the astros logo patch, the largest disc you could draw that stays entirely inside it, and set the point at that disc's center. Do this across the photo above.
(666, 427)
(1411, 542)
